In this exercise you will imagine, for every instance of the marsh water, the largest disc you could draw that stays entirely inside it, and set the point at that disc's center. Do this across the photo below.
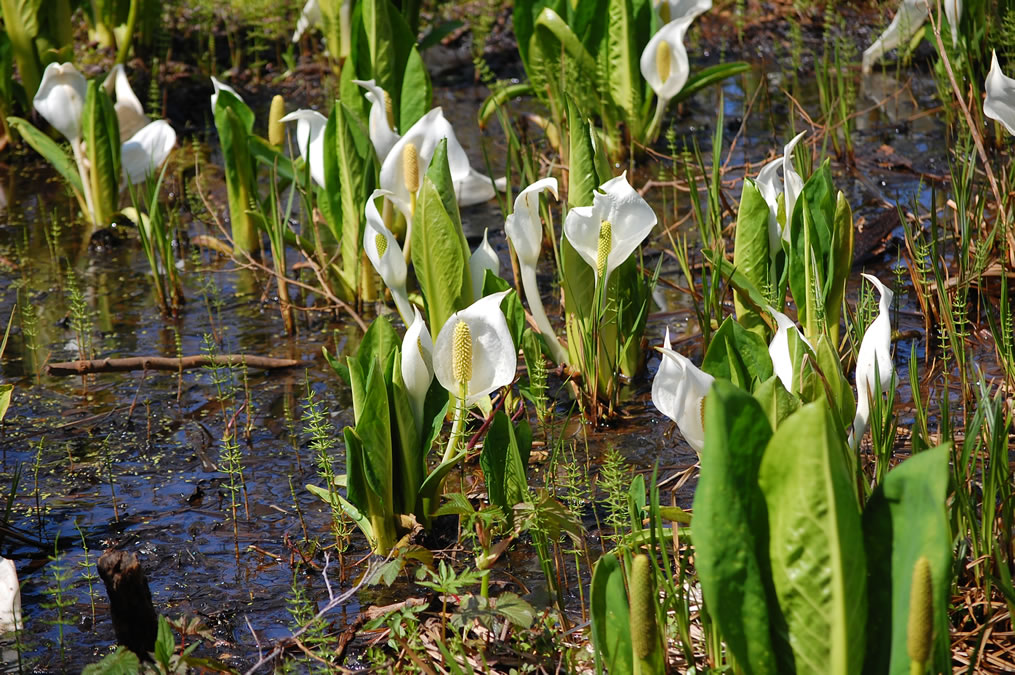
(131, 460)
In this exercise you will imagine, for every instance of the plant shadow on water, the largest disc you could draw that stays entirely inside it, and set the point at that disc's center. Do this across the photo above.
(131, 459)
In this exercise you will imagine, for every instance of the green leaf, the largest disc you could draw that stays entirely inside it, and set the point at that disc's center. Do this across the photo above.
(730, 530)
(121, 662)
(101, 135)
(439, 252)
(515, 610)
(165, 645)
(417, 92)
(373, 428)
(51, 151)
(816, 542)
(777, 403)
(500, 96)
(330, 198)
(751, 255)
(335, 499)
(906, 518)
(234, 121)
(457, 504)
(503, 463)
(549, 22)
(410, 464)
(21, 23)
(620, 59)
(611, 629)
(841, 263)
(737, 355)
(6, 392)
(582, 177)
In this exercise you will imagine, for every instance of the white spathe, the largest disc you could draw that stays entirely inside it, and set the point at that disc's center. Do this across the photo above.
(471, 187)
(524, 230)
(630, 217)
(10, 597)
(778, 348)
(220, 86)
(310, 16)
(678, 391)
(771, 186)
(417, 365)
(494, 357)
(387, 257)
(1000, 101)
(382, 136)
(145, 151)
(61, 99)
(671, 10)
(483, 258)
(906, 22)
(677, 69)
(310, 126)
(129, 112)
(875, 356)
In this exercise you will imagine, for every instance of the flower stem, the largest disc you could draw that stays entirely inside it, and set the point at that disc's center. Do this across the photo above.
(457, 425)
(652, 132)
(557, 352)
(85, 182)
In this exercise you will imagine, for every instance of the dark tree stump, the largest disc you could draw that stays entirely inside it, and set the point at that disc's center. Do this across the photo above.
(130, 602)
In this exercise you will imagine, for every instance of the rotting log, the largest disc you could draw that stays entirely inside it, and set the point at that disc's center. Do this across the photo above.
(170, 363)
(130, 602)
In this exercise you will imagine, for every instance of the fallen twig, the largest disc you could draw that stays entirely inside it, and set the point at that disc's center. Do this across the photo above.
(166, 363)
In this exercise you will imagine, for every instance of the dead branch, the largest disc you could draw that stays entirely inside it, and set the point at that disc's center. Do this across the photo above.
(166, 363)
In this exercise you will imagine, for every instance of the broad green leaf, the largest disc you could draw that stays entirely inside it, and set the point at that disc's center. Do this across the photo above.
(355, 185)
(330, 198)
(333, 498)
(101, 135)
(747, 293)
(550, 22)
(503, 463)
(515, 610)
(777, 403)
(21, 25)
(841, 263)
(439, 252)
(751, 255)
(417, 92)
(907, 518)
(51, 151)
(737, 355)
(409, 465)
(582, 177)
(611, 629)
(816, 543)
(6, 392)
(620, 59)
(501, 96)
(234, 120)
(730, 529)
(373, 428)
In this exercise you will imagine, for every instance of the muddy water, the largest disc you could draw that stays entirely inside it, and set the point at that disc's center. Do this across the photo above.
(130, 460)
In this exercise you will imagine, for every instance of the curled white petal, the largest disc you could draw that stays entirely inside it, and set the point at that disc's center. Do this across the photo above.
(310, 126)
(1000, 101)
(389, 263)
(875, 356)
(129, 113)
(483, 258)
(778, 348)
(61, 99)
(310, 16)
(673, 34)
(10, 597)
(671, 10)
(218, 86)
(678, 391)
(906, 22)
(382, 136)
(523, 227)
(417, 364)
(494, 355)
(145, 151)
(630, 217)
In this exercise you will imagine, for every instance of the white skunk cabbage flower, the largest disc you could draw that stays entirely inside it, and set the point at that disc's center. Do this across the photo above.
(310, 16)
(664, 60)
(406, 163)
(129, 112)
(10, 597)
(778, 348)
(524, 230)
(386, 256)
(905, 24)
(1000, 101)
(483, 258)
(608, 232)
(671, 10)
(678, 391)
(145, 151)
(382, 136)
(219, 85)
(61, 99)
(310, 139)
(474, 352)
(417, 365)
(875, 355)
(790, 185)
